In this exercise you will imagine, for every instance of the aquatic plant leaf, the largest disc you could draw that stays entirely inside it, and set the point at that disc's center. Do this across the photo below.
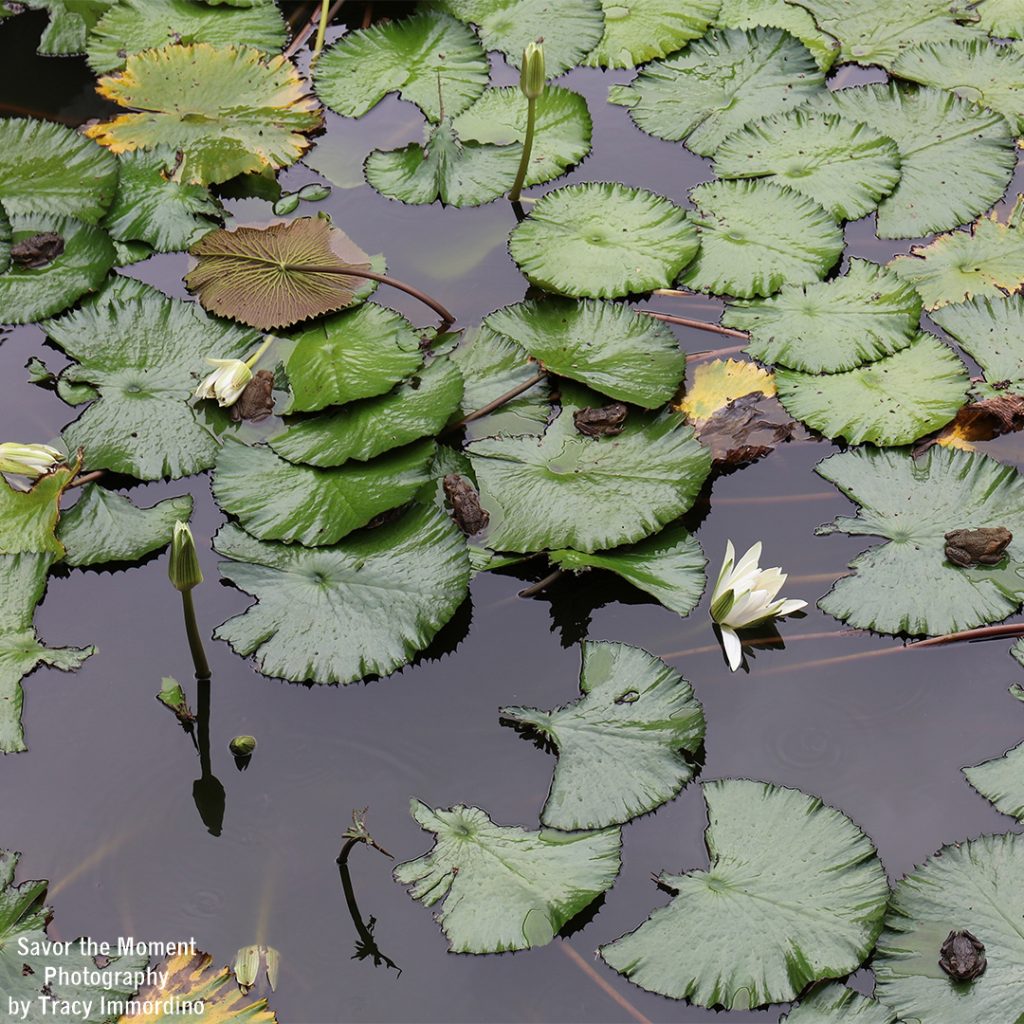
(999, 781)
(989, 330)
(420, 407)
(69, 25)
(834, 1003)
(746, 14)
(359, 353)
(756, 236)
(634, 711)
(795, 892)
(5, 239)
(279, 275)
(565, 490)
(973, 885)
(1003, 19)
(30, 293)
(506, 888)
(368, 604)
(718, 85)
(48, 168)
(276, 500)
(669, 566)
(561, 131)
(907, 585)
(637, 32)
(422, 58)
(143, 353)
(248, 115)
(831, 325)
(29, 518)
(571, 28)
(130, 26)
(104, 526)
(956, 159)
(719, 382)
(604, 345)
(845, 167)
(603, 240)
(444, 167)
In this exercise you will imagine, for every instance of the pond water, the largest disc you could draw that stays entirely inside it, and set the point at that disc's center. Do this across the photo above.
(102, 804)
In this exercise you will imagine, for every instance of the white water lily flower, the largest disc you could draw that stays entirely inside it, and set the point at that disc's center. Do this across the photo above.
(745, 595)
(227, 382)
(32, 460)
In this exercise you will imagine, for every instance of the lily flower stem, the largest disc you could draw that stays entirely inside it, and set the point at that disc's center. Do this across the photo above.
(700, 325)
(307, 30)
(195, 640)
(321, 30)
(524, 160)
(258, 354)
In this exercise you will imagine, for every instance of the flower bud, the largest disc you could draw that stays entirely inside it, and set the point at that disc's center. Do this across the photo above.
(227, 382)
(242, 746)
(531, 77)
(31, 460)
(183, 567)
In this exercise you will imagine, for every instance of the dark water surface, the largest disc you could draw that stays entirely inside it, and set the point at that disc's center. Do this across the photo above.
(102, 804)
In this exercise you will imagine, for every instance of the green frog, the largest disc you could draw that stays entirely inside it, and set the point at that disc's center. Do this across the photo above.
(962, 956)
(984, 546)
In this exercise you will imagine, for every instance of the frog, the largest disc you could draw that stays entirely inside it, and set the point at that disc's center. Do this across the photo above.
(466, 508)
(984, 546)
(962, 956)
(256, 402)
(37, 250)
(606, 421)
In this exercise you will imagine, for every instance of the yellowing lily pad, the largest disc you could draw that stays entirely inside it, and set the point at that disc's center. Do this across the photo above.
(721, 381)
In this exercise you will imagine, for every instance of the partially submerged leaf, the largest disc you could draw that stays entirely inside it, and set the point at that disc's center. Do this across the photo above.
(634, 711)
(980, 421)
(637, 32)
(718, 382)
(990, 330)
(506, 888)
(779, 14)
(172, 696)
(747, 429)
(1000, 781)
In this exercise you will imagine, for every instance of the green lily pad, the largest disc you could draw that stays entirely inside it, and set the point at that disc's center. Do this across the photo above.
(831, 325)
(990, 332)
(956, 158)
(276, 500)
(363, 607)
(506, 888)
(31, 293)
(144, 354)
(795, 893)
(668, 566)
(641, 30)
(845, 167)
(604, 345)
(47, 168)
(358, 353)
(362, 430)
(757, 236)
(561, 131)
(1003, 19)
(603, 240)
(894, 400)
(28, 518)
(718, 85)
(976, 885)
(104, 526)
(634, 710)
(834, 1003)
(907, 585)
(999, 781)
(69, 25)
(418, 57)
(796, 21)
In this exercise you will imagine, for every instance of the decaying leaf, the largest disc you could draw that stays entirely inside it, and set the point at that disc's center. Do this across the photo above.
(721, 381)
(979, 421)
(747, 429)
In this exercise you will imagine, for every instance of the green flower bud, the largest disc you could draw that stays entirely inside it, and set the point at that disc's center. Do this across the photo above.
(531, 78)
(242, 746)
(183, 567)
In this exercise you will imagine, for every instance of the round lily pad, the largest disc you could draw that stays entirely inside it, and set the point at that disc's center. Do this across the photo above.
(641, 30)
(780, 14)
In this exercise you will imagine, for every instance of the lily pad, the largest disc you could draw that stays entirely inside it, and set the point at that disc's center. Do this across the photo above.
(641, 30)
(718, 383)
(70, 22)
(845, 167)
(956, 158)
(1003, 19)
(718, 85)
(834, 1003)
(833, 325)
(603, 240)
(634, 710)
(362, 430)
(427, 58)
(601, 344)
(779, 14)
(506, 888)
(363, 607)
(999, 781)
(907, 585)
(248, 115)
(990, 332)
(47, 168)
(276, 500)
(757, 236)
(28, 518)
(794, 892)
(974, 885)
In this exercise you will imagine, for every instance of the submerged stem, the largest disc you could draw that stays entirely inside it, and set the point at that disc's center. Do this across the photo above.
(524, 160)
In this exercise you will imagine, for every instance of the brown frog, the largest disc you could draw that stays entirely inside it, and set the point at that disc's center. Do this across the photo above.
(465, 502)
(607, 421)
(962, 956)
(984, 546)
(38, 250)
(256, 402)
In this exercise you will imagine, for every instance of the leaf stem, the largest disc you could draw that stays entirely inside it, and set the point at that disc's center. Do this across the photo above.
(307, 29)
(499, 401)
(699, 324)
(524, 160)
(536, 588)
(981, 633)
(195, 640)
(321, 31)
(86, 478)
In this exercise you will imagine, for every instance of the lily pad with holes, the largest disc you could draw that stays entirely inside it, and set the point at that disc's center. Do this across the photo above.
(427, 58)
(249, 114)
(999, 781)
(641, 30)
(603, 240)
(831, 325)
(337, 614)
(747, 14)
(834, 1003)
(604, 345)
(757, 236)
(989, 330)
(794, 892)
(845, 167)
(906, 585)
(634, 710)
(718, 85)
(506, 888)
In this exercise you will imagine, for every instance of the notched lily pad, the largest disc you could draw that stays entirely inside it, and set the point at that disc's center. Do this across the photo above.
(990, 330)
(796, 21)
(637, 32)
